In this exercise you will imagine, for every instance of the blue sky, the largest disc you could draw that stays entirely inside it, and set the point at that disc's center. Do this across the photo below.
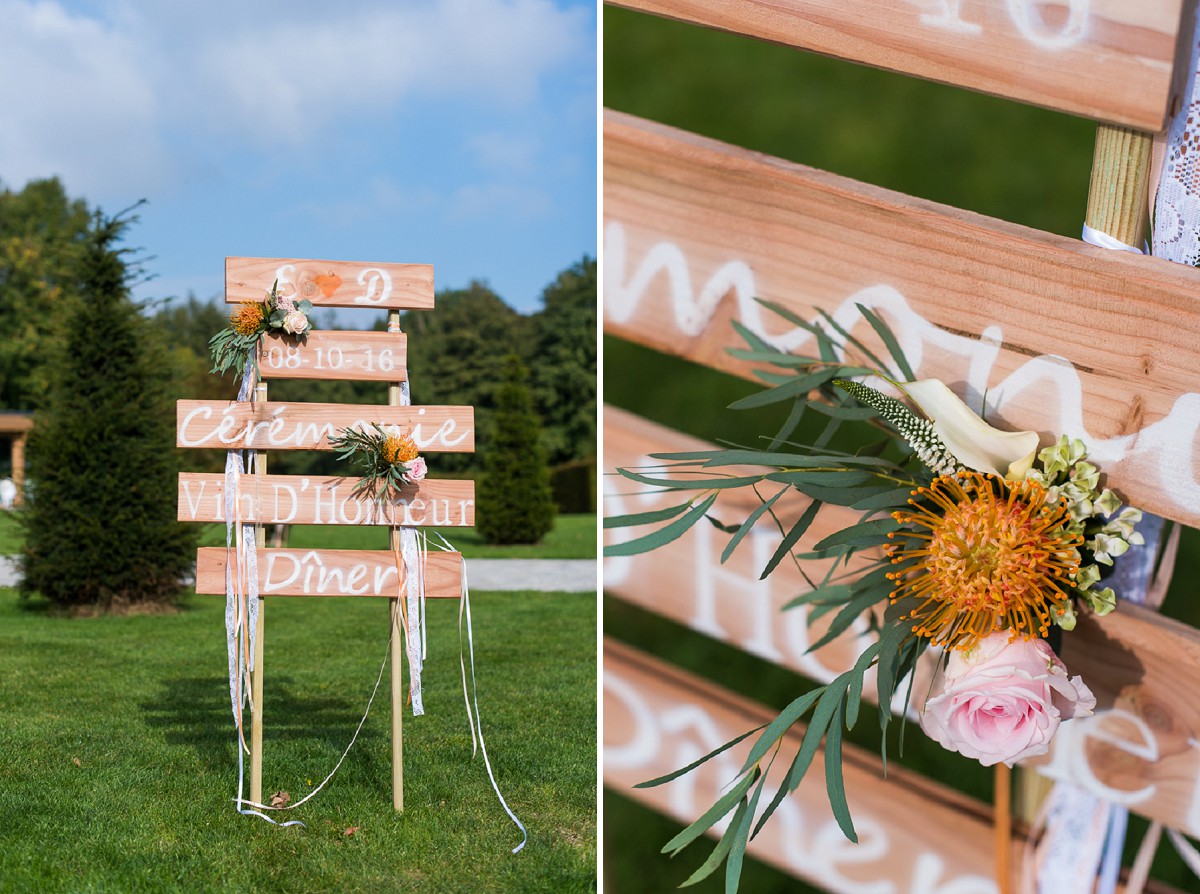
(460, 133)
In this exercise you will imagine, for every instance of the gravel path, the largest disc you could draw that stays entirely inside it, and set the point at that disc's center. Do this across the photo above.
(560, 575)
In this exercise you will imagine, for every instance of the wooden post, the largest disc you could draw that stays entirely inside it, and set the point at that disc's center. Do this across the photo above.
(18, 467)
(396, 607)
(256, 685)
(1117, 194)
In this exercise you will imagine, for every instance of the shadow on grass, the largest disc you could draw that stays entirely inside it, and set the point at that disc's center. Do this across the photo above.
(195, 712)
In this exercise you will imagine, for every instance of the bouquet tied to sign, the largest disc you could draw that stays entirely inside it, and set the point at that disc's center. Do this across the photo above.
(967, 538)
(237, 345)
(387, 461)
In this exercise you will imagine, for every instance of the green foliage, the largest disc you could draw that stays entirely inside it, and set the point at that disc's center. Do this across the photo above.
(456, 356)
(43, 235)
(574, 485)
(514, 502)
(564, 363)
(100, 527)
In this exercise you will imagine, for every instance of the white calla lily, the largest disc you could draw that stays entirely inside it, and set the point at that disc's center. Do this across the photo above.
(976, 444)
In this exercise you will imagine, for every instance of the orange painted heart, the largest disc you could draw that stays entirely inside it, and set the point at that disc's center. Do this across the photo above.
(328, 283)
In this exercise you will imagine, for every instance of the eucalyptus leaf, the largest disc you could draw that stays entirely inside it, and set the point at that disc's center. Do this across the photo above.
(889, 340)
(723, 805)
(663, 535)
(749, 523)
(675, 774)
(834, 783)
(802, 524)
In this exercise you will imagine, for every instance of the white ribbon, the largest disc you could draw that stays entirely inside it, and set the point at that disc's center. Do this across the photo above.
(471, 695)
(1104, 240)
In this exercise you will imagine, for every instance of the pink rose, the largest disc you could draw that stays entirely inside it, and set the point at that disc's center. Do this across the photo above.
(417, 469)
(1003, 701)
(295, 322)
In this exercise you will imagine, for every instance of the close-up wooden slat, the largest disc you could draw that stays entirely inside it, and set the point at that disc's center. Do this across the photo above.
(331, 283)
(339, 354)
(1138, 749)
(316, 500)
(1060, 335)
(914, 834)
(1110, 62)
(272, 425)
(331, 572)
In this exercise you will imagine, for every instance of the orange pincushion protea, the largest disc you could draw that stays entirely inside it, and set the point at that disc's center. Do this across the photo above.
(248, 318)
(399, 449)
(988, 555)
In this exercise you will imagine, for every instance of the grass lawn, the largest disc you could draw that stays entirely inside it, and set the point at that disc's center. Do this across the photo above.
(118, 762)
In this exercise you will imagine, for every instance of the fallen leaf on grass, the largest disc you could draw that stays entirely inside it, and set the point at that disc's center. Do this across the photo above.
(77, 762)
(280, 799)
(350, 831)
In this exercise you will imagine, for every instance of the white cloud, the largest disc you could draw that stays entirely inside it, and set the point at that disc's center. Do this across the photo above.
(505, 152)
(75, 101)
(508, 201)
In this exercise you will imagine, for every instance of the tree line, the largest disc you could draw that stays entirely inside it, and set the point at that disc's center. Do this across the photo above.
(456, 353)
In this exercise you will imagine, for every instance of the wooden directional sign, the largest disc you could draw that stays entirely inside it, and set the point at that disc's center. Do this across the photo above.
(1110, 60)
(331, 572)
(335, 354)
(331, 283)
(268, 425)
(697, 232)
(313, 500)
(915, 836)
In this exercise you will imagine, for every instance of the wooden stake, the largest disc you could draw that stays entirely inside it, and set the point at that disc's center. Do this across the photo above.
(1002, 825)
(256, 680)
(396, 607)
(1117, 194)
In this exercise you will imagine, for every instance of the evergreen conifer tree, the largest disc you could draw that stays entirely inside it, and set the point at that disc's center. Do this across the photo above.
(100, 527)
(515, 503)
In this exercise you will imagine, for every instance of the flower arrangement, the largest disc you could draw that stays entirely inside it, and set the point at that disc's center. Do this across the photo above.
(970, 540)
(388, 461)
(250, 321)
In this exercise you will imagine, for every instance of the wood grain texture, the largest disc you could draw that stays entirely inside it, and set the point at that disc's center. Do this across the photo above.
(1061, 336)
(914, 834)
(331, 572)
(316, 500)
(308, 426)
(331, 283)
(1111, 61)
(1137, 749)
(343, 354)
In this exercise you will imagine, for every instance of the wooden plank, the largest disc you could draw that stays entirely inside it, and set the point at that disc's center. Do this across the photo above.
(1140, 748)
(915, 836)
(341, 354)
(230, 425)
(1061, 336)
(315, 500)
(1108, 61)
(331, 572)
(331, 283)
